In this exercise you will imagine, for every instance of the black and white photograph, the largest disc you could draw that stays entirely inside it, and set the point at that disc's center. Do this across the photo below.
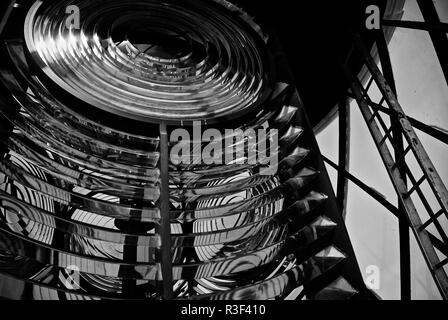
(223, 158)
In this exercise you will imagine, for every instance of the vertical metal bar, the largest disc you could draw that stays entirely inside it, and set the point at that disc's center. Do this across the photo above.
(403, 226)
(438, 37)
(344, 155)
(165, 226)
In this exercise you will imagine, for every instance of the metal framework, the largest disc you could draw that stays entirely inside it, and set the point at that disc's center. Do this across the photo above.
(396, 140)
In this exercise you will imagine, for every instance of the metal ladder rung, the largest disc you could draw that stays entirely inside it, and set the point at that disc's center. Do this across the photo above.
(427, 207)
(432, 219)
(440, 245)
(374, 115)
(402, 157)
(367, 88)
(415, 186)
(387, 135)
(441, 264)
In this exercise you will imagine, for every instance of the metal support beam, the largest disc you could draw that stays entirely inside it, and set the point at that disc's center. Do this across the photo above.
(165, 225)
(416, 25)
(371, 192)
(436, 133)
(405, 249)
(344, 155)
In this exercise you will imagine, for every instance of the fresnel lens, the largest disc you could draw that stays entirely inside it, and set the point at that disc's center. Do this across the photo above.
(107, 189)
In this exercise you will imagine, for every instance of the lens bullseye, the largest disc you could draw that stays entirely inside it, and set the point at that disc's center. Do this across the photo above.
(150, 61)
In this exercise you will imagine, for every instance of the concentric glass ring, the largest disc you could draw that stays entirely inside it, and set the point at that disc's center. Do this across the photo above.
(152, 60)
